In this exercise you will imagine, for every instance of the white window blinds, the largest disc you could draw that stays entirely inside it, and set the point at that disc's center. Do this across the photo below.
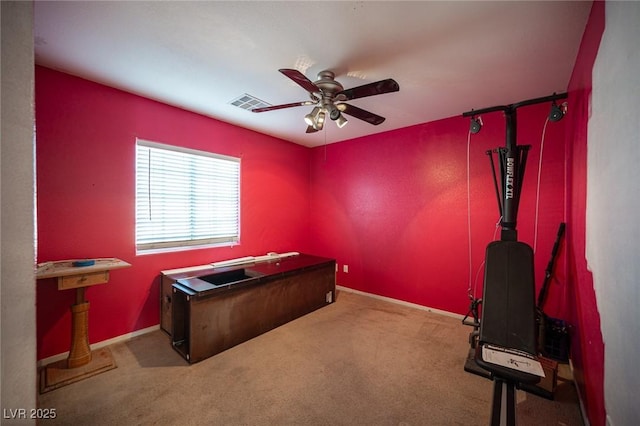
(185, 197)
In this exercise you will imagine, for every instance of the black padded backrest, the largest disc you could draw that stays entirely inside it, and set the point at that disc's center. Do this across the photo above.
(508, 302)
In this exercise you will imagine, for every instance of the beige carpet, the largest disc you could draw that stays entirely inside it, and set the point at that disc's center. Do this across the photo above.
(359, 361)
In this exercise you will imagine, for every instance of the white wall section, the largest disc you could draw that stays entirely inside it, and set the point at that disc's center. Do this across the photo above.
(17, 214)
(613, 204)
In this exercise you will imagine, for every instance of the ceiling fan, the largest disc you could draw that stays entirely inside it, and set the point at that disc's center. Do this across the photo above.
(328, 96)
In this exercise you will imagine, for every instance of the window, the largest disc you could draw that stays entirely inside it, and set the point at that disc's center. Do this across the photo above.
(185, 197)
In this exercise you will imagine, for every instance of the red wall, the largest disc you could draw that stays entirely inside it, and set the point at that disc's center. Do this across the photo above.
(85, 148)
(393, 206)
(587, 347)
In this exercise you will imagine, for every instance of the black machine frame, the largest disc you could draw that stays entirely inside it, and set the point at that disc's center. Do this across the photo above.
(513, 162)
(508, 303)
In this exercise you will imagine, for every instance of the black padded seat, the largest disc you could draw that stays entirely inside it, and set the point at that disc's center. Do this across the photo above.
(508, 307)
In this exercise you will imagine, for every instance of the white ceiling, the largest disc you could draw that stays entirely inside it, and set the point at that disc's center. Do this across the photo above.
(447, 57)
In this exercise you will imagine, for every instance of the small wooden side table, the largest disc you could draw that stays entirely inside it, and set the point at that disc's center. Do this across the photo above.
(82, 362)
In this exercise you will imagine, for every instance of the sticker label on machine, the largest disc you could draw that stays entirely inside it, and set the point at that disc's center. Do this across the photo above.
(513, 359)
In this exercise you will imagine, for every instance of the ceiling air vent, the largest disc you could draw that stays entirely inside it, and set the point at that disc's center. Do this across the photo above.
(248, 102)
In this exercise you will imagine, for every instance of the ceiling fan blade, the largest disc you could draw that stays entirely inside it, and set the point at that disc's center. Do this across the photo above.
(377, 88)
(361, 114)
(274, 107)
(300, 79)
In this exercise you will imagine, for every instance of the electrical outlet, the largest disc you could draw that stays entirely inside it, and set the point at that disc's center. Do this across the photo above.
(345, 269)
(329, 297)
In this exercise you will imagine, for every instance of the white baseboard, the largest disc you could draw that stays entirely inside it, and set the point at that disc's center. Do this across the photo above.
(117, 339)
(401, 302)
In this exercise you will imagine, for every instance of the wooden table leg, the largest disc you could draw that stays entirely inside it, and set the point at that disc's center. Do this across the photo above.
(80, 353)
(81, 362)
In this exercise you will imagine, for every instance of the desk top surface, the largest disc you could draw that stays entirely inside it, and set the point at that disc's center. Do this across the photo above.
(253, 273)
(269, 267)
(63, 268)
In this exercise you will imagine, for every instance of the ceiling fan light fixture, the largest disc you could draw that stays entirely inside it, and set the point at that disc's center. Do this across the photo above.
(334, 113)
(341, 121)
(308, 119)
(311, 118)
(319, 121)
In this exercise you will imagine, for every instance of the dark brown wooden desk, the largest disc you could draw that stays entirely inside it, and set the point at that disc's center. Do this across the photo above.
(219, 308)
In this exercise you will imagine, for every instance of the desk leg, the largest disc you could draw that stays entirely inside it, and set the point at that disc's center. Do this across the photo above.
(81, 362)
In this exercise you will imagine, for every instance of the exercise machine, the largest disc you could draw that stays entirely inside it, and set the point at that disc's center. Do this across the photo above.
(504, 338)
